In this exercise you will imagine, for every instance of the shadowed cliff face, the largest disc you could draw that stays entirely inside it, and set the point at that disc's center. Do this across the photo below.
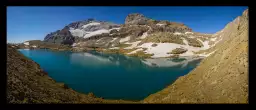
(220, 78)
(28, 83)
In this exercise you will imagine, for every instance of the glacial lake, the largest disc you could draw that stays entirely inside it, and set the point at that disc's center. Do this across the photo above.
(111, 76)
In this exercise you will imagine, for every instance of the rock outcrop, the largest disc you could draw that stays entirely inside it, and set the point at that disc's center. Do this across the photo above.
(60, 37)
(136, 19)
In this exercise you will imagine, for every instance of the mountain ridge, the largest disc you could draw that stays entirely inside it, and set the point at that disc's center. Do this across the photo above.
(138, 32)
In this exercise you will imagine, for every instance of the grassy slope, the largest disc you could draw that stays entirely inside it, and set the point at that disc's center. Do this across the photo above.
(220, 78)
(27, 83)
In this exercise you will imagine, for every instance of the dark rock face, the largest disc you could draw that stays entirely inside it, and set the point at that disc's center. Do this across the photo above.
(80, 23)
(64, 36)
(136, 19)
(60, 37)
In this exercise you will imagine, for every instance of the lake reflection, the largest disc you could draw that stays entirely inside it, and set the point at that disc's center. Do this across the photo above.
(111, 76)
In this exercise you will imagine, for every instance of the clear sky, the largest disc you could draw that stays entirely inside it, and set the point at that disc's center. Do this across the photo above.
(31, 23)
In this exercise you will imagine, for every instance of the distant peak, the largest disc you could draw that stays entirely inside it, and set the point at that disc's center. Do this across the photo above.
(91, 19)
(136, 14)
(136, 18)
(245, 13)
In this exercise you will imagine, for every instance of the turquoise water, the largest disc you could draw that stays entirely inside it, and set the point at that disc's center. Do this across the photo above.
(111, 76)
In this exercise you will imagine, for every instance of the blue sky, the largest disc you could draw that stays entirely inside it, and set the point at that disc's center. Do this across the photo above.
(31, 23)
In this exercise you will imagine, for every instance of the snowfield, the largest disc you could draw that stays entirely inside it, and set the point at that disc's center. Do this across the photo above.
(162, 49)
(189, 33)
(177, 33)
(76, 32)
(26, 43)
(135, 51)
(98, 32)
(113, 40)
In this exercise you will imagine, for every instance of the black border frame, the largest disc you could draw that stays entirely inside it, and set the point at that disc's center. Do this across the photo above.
(126, 3)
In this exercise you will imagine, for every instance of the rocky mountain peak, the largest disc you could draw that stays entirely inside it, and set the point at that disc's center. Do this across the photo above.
(245, 13)
(136, 19)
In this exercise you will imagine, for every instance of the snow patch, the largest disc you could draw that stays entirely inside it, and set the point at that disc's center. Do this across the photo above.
(189, 33)
(134, 44)
(99, 39)
(144, 35)
(135, 51)
(213, 39)
(90, 24)
(159, 24)
(205, 44)
(74, 44)
(125, 39)
(101, 31)
(185, 41)
(191, 36)
(26, 43)
(115, 48)
(34, 46)
(114, 29)
(215, 43)
(162, 49)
